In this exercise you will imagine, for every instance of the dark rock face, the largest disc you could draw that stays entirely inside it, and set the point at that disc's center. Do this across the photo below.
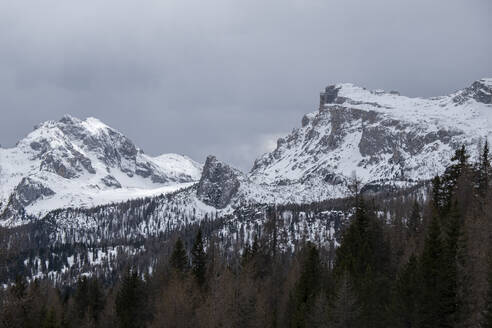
(218, 184)
(53, 164)
(329, 96)
(374, 188)
(392, 137)
(67, 162)
(40, 146)
(479, 90)
(146, 170)
(334, 179)
(111, 147)
(28, 191)
(111, 181)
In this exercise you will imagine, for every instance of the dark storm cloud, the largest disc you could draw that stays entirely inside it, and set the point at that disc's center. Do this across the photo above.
(225, 77)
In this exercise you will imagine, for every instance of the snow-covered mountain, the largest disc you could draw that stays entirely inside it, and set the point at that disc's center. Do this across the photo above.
(384, 138)
(83, 163)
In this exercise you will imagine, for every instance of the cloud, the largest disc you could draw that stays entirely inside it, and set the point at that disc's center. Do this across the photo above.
(196, 78)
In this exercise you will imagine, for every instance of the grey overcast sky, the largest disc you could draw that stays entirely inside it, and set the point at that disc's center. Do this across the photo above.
(225, 77)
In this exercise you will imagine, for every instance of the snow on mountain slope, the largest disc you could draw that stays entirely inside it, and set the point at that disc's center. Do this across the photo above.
(76, 163)
(226, 188)
(386, 139)
(382, 137)
(179, 166)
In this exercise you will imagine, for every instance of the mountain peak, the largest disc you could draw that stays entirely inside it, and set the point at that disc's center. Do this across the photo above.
(81, 163)
(69, 119)
(385, 138)
(219, 183)
(486, 81)
(480, 91)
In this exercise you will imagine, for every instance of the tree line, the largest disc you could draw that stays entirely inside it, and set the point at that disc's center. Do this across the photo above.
(419, 260)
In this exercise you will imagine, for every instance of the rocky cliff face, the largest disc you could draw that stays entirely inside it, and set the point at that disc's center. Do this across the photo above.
(73, 162)
(69, 146)
(219, 183)
(480, 91)
(381, 137)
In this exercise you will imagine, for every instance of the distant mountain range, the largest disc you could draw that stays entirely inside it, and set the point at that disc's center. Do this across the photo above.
(385, 139)
(78, 197)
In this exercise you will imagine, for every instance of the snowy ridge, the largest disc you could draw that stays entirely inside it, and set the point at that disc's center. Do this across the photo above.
(83, 163)
(86, 184)
(383, 138)
(178, 166)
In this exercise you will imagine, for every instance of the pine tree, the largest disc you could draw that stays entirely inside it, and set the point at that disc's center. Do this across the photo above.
(414, 220)
(199, 259)
(306, 288)
(431, 300)
(484, 170)
(50, 320)
(405, 299)
(81, 297)
(20, 287)
(96, 299)
(449, 271)
(319, 314)
(179, 259)
(130, 303)
(486, 321)
(438, 195)
(344, 310)
(450, 178)
(364, 254)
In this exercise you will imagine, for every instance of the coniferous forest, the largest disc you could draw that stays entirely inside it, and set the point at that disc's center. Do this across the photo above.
(426, 264)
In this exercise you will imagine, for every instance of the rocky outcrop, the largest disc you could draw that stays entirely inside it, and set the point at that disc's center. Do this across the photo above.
(219, 183)
(29, 191)
(329, 95)
(481, 91)
(110, 181)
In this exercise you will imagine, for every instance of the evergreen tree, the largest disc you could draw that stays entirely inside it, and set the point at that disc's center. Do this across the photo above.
(406, 293)
(81, 297)
(451, 176)
(414, 220)
(484, 170)
(306, 288)
(431, 312)
(486, 321)
(19, 290)
(319, 314)
(449, 271)
(179, 259)
(199, 259)
(364, 255)
(344, 310)
(96, 299)
(438, 195)
(130, 303)
(50, 320)
(89, 298)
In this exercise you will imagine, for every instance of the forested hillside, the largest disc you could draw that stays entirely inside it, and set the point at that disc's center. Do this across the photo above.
(403, 260)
